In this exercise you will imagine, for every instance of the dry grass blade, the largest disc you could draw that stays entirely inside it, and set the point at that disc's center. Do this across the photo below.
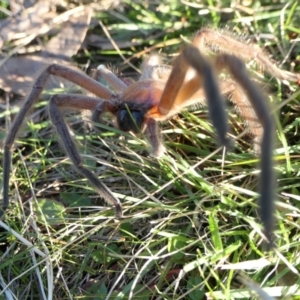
(59, 49)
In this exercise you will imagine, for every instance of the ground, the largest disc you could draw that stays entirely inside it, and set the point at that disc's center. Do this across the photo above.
(191, 228)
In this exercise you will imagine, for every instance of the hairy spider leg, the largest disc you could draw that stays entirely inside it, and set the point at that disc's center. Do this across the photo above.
(209, 41)
(221, 41)
(266, 200)
(70, 74)
(237, 69)
(110, 78)
(177, 91)
(56, 116)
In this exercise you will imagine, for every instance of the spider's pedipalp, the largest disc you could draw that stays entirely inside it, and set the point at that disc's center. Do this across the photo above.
(101, 108)
(154, 137)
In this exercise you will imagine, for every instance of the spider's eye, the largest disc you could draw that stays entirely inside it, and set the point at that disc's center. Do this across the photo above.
(127, 122)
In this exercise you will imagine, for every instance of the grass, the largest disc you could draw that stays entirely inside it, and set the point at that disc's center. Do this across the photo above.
(191, 229)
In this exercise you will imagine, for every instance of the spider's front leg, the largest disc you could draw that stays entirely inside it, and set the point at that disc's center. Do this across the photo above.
(110, 78)
(57, 119)
(266, 201)
(80, 79)
(179, 93)
(220, 41)
(237, 69)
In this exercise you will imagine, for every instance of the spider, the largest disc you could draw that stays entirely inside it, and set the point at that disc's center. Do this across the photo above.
(160, 93)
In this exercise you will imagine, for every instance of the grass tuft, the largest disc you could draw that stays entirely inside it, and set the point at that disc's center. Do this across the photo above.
(191, 228)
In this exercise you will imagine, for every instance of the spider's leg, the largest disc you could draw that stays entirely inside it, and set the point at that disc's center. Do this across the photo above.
(70, 148)
(237, 68)
(244, 108)
(215, 101)
(6, 170)
(35, 92)
(224, 42)
(169, 97)
(153, 68)
(178, 90)
(112, 80)
(72, 75)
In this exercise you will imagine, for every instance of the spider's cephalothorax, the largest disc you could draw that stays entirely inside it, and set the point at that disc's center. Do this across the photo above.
(162, 92)
(128, 116)
(130, 119)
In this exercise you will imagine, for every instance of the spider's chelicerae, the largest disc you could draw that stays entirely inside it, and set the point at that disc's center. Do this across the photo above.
(162, 92)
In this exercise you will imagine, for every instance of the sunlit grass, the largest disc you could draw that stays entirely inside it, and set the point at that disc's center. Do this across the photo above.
(191, 228)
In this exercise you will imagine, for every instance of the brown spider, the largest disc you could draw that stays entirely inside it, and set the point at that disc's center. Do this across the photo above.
(162, 92)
